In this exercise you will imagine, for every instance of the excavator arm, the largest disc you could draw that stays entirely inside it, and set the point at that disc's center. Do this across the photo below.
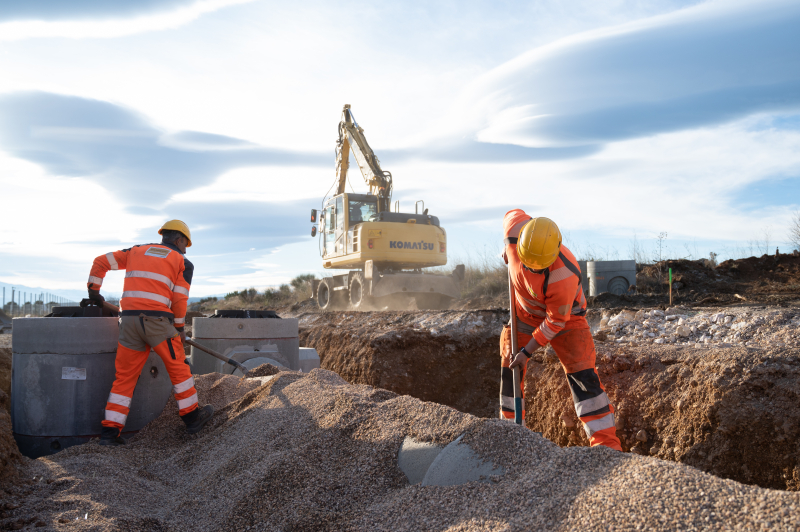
(351, 137)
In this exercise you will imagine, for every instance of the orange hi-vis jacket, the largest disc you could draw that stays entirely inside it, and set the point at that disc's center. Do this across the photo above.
(548, 300)
(157, 280)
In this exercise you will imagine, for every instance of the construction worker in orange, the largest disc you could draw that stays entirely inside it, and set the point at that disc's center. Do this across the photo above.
(551, 308)
(152, 315)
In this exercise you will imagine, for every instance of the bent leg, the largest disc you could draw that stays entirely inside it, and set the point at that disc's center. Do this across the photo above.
(128, 365)
(575, 350)
(171, 352)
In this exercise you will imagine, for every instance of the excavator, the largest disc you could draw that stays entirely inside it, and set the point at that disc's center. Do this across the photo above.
(384, 249)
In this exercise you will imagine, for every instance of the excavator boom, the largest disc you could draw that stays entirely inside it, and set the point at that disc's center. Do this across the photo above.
(351, 137)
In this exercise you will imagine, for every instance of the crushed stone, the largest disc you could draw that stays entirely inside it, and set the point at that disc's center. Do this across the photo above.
(312, 452)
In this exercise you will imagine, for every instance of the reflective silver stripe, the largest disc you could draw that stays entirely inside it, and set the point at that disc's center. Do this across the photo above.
(522, 298)
(116, 417)
(560, 274)
(186, 403)
(557, 324)
(148, 295)
(590, 405)
(507, 401)
(150, 275)
(183, 386)
(530, 310)
(181, 290)
(605, 422)
(547, 331)
(120, 400)
(112, 261)
(95, 280)
(180, 321)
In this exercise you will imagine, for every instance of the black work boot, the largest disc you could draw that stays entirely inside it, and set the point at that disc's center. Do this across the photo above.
(110, 436)
(197, 418)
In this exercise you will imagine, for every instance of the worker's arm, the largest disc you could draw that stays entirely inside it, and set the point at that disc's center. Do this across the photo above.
(116, 260)
(180, 294)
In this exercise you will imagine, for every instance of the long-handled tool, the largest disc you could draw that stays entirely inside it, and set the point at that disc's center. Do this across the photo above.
(514, 349)
(191, 342)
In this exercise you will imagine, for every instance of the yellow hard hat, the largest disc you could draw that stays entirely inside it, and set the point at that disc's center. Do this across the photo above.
(177, 225)
(539, 243)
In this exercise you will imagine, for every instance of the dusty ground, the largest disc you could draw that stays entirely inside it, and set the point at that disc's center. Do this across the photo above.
(312, 452)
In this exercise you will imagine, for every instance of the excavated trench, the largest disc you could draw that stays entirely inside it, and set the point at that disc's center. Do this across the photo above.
(729, 411)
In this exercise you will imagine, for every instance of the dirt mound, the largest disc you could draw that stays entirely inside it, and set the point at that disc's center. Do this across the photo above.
(295, 452)
(264, 370)
(452, 358)
(10, 458)
(5, 372)
(448, 357)
(731, 412)
(767, 279)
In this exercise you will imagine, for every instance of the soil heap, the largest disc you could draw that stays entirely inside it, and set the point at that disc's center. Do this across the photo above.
(312, 452)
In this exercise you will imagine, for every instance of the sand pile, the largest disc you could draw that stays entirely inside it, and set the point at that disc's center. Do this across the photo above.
(312, 452)
(10, 458)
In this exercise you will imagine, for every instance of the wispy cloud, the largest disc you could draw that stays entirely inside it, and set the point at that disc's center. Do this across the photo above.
(700, 66)
(82, 19)
(121, 151)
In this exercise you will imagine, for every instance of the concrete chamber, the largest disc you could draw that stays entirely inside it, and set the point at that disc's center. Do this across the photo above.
(61, 375)
(614, 276)
(248, 335)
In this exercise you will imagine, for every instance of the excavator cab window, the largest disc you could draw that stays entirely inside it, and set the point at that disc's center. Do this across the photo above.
(362, 211)
(330, 230)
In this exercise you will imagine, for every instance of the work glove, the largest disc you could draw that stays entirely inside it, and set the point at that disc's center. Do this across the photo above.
(94, 295)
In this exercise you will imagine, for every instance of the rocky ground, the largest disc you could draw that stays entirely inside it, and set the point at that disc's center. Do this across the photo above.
(313, 452)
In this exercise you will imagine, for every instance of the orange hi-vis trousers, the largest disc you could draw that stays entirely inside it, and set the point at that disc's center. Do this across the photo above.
(130, 361)
(575, 349)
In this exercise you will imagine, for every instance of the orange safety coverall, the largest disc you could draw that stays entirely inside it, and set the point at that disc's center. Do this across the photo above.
(551, 307)
(157, 282)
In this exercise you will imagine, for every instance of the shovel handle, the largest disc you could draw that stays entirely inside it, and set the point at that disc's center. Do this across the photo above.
(213, 353)
(514, 347)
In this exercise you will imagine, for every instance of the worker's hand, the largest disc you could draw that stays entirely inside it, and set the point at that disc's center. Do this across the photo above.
(505, 257)
(183, 334)
(94, 295)
(520, 360)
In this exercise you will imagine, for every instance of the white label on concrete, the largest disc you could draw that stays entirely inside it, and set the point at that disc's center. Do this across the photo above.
(73, 374)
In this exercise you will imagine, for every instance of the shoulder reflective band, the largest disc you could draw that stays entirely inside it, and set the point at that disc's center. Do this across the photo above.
(510, 240)
(574, 269)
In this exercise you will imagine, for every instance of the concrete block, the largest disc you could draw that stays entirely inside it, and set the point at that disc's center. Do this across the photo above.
(58, 397)
(65, 336)
(259, 328)
(458, 464)
(415, 458)
(309, 359)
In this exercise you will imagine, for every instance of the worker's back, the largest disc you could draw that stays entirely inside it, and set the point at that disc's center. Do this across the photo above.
(157, 277)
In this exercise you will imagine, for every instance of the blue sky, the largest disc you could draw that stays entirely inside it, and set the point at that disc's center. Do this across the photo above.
(614, 118)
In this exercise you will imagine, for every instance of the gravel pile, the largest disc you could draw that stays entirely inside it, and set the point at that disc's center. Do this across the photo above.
(728, 327)
(312, 452)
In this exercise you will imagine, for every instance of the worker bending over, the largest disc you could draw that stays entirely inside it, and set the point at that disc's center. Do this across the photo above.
(551, 308)
(152, 315)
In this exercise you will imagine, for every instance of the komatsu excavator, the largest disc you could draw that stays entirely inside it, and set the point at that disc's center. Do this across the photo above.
(384, 250)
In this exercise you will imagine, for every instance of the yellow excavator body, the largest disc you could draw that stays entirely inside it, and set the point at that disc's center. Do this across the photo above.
(385, 250)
